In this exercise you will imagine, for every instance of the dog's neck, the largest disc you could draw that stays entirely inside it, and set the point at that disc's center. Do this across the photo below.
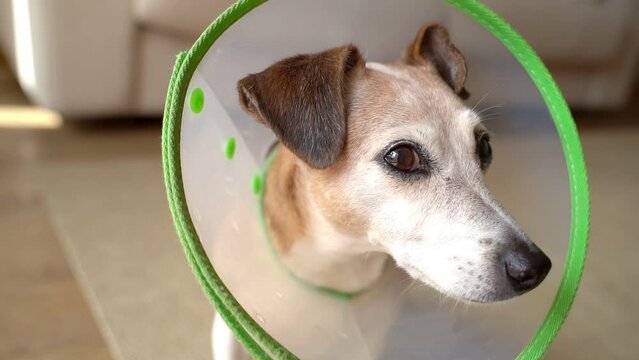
(310, 246)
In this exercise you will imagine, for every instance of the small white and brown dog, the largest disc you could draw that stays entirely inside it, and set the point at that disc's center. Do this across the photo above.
(382, 161)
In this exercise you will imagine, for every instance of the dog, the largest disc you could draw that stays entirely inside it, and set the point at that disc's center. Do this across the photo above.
(380, 161)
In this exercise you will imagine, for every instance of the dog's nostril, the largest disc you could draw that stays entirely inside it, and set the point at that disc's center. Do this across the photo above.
(526, 269)
(519, 274)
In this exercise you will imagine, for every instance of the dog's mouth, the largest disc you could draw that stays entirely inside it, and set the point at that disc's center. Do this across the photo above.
(478, 293)
(500, 284)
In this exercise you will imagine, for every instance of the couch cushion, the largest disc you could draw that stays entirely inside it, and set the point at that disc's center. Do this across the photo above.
(185, 17)
(156, 55)
(568, 31)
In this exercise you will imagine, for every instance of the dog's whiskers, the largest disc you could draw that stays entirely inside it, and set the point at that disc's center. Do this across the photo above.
(490, 118)
(484, 112)
(482, 98)
(405, 290)
(457, 299)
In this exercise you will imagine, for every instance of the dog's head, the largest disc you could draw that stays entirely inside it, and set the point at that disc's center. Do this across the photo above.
(395, 158)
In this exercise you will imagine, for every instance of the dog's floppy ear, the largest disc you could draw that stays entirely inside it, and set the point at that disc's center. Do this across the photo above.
(433, 44)
(304, 100)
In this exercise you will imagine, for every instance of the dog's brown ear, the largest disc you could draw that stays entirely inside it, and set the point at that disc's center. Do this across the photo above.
(433, 44)
(304, 100)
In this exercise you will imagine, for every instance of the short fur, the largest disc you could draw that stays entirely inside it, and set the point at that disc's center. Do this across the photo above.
(313, 126)
(336, 209)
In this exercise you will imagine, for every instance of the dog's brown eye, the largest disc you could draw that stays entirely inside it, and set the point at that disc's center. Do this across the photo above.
(484, 150)
(403, 158)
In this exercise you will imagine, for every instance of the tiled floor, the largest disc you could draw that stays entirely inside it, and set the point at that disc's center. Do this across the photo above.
(47, 309)
(44, 314)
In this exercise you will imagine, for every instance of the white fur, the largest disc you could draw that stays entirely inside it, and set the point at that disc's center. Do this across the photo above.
(333, 259)
(225, 346)
(444, 229)
(386, 70)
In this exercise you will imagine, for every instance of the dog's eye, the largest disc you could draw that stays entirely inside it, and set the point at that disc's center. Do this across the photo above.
(484, 151)
(403, 158)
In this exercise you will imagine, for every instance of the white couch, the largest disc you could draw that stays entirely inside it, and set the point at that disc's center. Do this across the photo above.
(99, 58)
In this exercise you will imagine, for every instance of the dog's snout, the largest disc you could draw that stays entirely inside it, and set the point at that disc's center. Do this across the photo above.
(526, 268)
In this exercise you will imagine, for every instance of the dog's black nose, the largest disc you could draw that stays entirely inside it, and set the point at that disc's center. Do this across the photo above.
(526, 268)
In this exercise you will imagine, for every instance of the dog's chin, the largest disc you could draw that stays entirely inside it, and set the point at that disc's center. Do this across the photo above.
(487, 295)
(487, 298)
(469, 293)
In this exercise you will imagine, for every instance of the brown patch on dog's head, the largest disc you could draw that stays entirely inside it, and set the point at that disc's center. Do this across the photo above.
(304, 100)
(333, 193)
(381, 100)
(327, 109)
(384, 98)
(433, 45)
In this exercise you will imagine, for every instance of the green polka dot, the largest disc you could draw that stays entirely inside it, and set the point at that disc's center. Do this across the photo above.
(229, 148)
(257, 184)
(197, 100)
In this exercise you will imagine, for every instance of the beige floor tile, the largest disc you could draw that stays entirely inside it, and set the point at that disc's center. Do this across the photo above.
(44, 313)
